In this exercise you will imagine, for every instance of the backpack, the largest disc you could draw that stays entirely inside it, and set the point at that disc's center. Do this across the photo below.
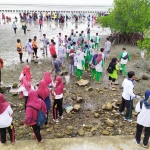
(41, 119)
(110, 68)
(125, 57)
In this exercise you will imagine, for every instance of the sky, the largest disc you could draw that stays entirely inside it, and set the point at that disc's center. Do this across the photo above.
(65, 2)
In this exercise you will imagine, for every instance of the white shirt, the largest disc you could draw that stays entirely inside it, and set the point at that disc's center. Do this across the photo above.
(107, 46)
(5, 118)
(122, 61)
(22, 89)
(99, 67)
(143, 116)
(128, 89)
(58, 96)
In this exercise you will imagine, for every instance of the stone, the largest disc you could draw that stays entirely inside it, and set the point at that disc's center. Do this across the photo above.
(67, 131)
(145, 77)
(118, 102)
(114, 111)
(108, 106)
(114, 105)
(14, 94)
(79, 99)
(59, 135)
(76, 107)
(83, 82)
(104, 106)
(3, 89)
(87, 127)
(36, 61)
(105, 132)
(96, 115)
(94, 128)
(57, 126)
(81, 132)
(15, 85)
(70, 127)
(49, 129)
(97, 89)
(90, 89)
(110, 122)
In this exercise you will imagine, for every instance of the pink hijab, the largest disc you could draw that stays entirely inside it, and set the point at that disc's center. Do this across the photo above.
(43, 91)
(33, 100)
(26, 84)
(99, 58)
(59, 86)
(47, 78)
(27, 73)
(3, 104)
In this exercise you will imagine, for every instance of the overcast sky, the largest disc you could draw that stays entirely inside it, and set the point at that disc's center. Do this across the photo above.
(82, 2)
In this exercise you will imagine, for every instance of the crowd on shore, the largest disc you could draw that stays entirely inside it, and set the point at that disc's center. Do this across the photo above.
(80, 52)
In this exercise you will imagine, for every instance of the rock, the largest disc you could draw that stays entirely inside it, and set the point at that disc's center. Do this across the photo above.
(137, 79)
(104, 106)
(49, 129)
(73, 96)
(108, 106)
(90, 89)
(105, 132)
(67, 131)
(3, 89)
(114, 105)
(79, 99)
(118, 102)
(12, 105)
(59, 135)
(87, 127)
(15, 85)
(76, 107)
(116, 115)
(97, 89)
(81, 132)
(57, 126)
(14, 94)
(94, 129)
(70, 127)
(145, 77)
(96, 115)
(83, 82)
(114, 111)
(36, 61)
(110, 122)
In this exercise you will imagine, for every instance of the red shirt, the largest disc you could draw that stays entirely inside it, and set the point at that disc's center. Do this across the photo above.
(52, 49)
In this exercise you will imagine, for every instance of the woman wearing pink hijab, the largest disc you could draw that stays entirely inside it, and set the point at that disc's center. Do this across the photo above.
(57, 105)
(6, 120)
(47, 78)
(31, 114)
(26, 72)
(25, 87)
(44, 93)
(99, 67)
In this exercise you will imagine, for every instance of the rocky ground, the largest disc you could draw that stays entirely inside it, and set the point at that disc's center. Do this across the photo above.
(95, 111)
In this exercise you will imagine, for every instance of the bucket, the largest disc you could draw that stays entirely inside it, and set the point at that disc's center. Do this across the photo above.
(67, 78)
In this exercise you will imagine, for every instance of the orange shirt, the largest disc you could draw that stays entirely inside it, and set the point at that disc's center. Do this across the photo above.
(19, 46)
(34, 44)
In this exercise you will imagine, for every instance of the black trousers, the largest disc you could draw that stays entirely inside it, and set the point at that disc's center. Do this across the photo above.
(26, 100)
(0, 76)
(128, 104)
(11, 132)
(139, 129)
(35, 51)
(57, 106)
(36, 129)
(15, 30)
(24, 31)
(20, 55)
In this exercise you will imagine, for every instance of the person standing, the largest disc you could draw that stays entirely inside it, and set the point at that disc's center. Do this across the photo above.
(127, 96)
(107, 48)
(40, 23)
(62, 53)
(35, 47)
(6, 121)
(31, 114)
(97, 41)
(48, 79)
(143, 108)
(52, 51)
(24, 27)
(45, 43)
(99, 67)
(57, 66)
(124, 58)
(71, 62)
(29, 49)
(14, 26)
(44, 93)
(1, 66)
(3, 18)
(57, 105)
(59, 40)
(113, 75)
(19, 49)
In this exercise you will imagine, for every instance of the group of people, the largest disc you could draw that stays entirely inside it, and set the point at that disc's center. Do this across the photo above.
(82, 53)
(36, 100)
